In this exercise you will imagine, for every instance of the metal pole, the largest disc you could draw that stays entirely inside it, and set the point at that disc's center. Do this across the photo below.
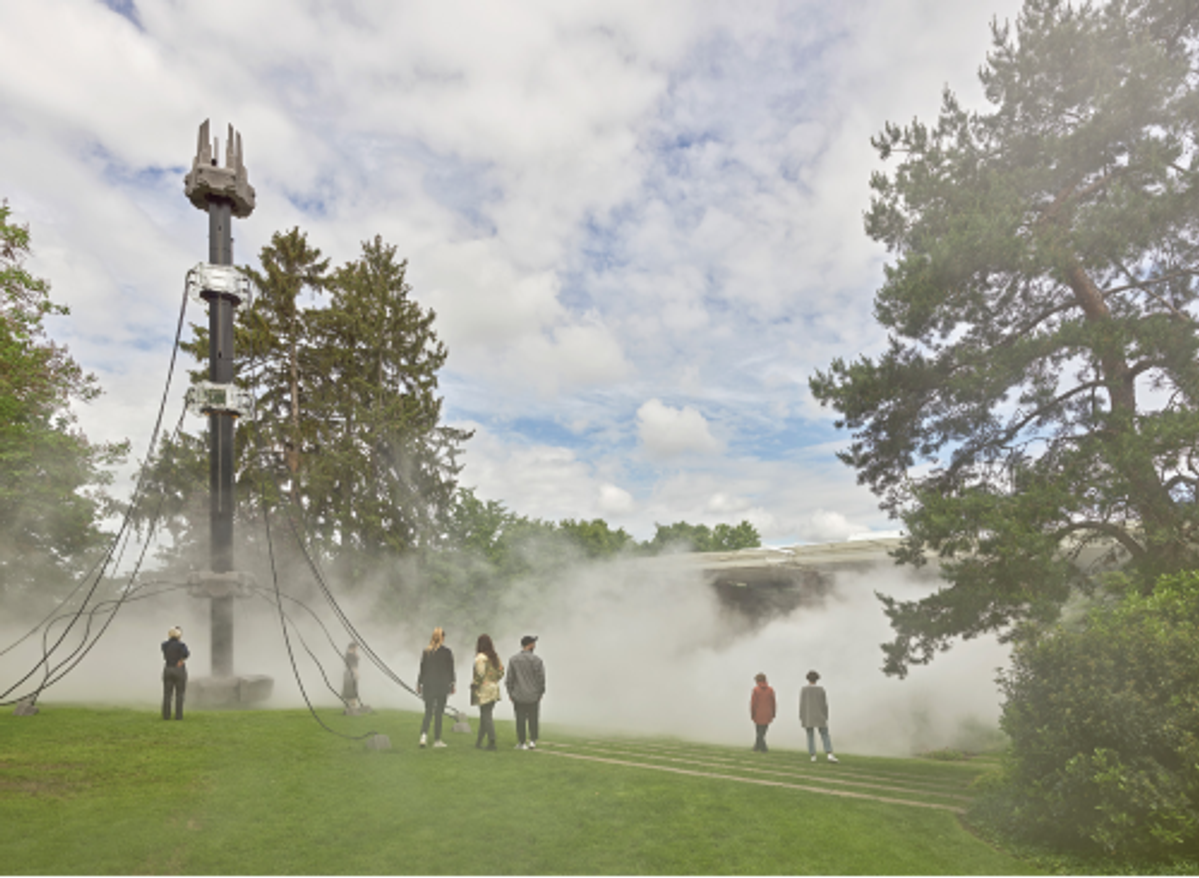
(224, 193)
(220, 430)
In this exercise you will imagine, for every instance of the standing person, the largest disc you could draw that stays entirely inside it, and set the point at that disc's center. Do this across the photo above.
(349, 681)
(813, 715)
(435, 683)
(525, 682)
(174, 672)
(485, 688)
(761, 710)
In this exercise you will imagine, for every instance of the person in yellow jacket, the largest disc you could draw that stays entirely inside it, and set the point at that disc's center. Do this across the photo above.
(485, 688)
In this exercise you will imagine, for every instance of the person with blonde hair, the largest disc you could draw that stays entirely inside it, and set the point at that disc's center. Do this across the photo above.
(174, 672)
(435, 683)
(485, 688)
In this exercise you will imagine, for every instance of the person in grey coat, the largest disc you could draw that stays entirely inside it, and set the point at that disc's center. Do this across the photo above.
(525, 682)
(813, 716)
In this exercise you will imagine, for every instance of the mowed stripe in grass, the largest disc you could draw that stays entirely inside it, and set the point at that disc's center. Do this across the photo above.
(944, 776)
(270, 792)
(729, 770)
(800, 764)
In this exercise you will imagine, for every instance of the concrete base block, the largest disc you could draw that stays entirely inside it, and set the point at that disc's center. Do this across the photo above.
(25, 708)
(360, 710)
(461, 726)
(378, 742)
(229, 691)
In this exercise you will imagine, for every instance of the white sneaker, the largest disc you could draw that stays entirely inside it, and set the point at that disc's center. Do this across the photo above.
(443, 744)
(422, 739)
(831, 758)
(813, 758)
(522, 746)
(532, 745)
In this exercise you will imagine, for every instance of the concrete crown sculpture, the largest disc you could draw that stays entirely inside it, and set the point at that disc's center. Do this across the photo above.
(207, 180)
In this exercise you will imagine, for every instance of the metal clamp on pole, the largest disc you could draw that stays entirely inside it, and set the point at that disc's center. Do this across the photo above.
(208, 397)
(235, 584)
(206, 281)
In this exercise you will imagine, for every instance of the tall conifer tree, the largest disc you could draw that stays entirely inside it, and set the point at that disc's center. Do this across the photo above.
(1038, 394)
(385, 475)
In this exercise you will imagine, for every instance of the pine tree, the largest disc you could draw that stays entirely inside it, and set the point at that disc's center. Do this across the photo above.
(383, 478)
(346, 435)
(1038, 395)
(276, 336)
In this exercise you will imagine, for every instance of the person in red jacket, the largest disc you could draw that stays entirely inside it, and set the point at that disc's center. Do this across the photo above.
(761, 710)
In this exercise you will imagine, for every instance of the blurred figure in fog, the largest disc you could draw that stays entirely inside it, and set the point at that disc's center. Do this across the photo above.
(526, 684)
(435, 684)
(485, 688)
(349, 681)
(813, 715)
(761, 710)
(174, 672)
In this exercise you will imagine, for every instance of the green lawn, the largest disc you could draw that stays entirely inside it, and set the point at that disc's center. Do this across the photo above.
(103, 790)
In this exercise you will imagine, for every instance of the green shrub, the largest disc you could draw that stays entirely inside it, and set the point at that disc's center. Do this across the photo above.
(1104, 728)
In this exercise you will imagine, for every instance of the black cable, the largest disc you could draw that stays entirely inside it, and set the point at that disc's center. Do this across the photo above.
(324, 628)
(317, 574)
(107, 557)
(304, 642)
(283, 624)
(349, 626)
(101, 607)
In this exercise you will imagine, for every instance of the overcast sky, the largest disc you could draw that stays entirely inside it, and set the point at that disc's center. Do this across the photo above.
(639, 223)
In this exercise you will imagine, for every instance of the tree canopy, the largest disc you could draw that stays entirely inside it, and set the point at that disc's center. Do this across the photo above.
(701, 538)
(348, 422)
(52, 479)
(1038, 392)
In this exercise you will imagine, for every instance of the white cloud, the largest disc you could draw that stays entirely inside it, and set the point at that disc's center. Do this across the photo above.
(605, 203)
(721, 503)
(615, 501)
(667, 432)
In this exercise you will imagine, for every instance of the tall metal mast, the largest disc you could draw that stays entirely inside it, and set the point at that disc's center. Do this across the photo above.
(224, 193)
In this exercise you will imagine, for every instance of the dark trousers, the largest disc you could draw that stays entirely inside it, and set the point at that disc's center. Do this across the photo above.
(174, 680)
(760, 743)
(434, 709)
(527, 714)
(486, 723)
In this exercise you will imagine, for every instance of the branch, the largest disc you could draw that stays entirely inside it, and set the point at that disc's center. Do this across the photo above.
(1141, 285)
(1040, 318)
(1180, 479)
(1119, 534)
(1012, 431)
(1069, 193)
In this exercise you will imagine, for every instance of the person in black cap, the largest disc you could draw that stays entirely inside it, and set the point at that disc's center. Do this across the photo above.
(174, 672)
(525, 682)
(813, 716)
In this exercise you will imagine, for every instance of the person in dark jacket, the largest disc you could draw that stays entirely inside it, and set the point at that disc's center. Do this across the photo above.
(525, 682)
(174, 672)
(435, 684)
